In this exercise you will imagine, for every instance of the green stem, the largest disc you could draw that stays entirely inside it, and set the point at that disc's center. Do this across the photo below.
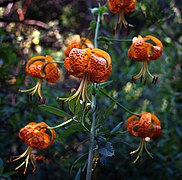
(120, 105)
(101, 38)
(62, 124)
(93, 110)
(96, 31)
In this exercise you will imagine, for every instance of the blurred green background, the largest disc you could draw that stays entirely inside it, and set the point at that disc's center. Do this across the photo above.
(54, 21)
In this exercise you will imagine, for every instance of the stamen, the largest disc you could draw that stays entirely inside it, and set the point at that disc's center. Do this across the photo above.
(33, 90)
(140, 149)
(156, 78)
(144, 71)
(141, 78)
(153, 80)
(145, 147)
(81, 91)
(33, 164)
(19, 157)
(140, 73)
(39, 88)
(26, 154)
(20, 165)
(26, 164)
(123, 20)
(76, 93)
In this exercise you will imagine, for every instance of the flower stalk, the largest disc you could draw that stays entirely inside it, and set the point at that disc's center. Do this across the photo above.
(62, 124)
(93, 106)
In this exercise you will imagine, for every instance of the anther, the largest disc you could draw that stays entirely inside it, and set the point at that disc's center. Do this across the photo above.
(156, 78)
(153, 80)
(42, 101)
(141, 79)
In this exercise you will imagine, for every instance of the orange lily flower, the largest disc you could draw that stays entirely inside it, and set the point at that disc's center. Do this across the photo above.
(122, 7)
(41, 67)
(35, 136)
(91, 65)
(77, 42)
(145, 126)
(140, 50)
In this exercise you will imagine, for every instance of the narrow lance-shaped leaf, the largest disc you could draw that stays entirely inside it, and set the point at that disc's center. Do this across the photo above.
(55, 111)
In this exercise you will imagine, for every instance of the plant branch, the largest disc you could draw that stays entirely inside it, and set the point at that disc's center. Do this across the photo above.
(27, 22)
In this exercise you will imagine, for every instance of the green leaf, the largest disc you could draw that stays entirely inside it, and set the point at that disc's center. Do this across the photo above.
(104, 113)
(116, 128)
(102, 9)
(93, 25)
(104, 84)
(78, 174)
(74, 106)
(6, 175)
(69, 130)
(55, 111)
(1, 166)
(106, 150)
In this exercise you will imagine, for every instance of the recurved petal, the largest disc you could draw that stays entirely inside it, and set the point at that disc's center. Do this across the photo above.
(26, 132)
(155, 40)
(132, 125)
(155, 51)
(35, 65)
(77, 62)
(39, 140)
(144, 126)
(128, 5)
(86, 43)
(74, 42)
(156, 131)
(114, 6)
(101, 53)
(99, 67)
(156, 126)
(53, 74)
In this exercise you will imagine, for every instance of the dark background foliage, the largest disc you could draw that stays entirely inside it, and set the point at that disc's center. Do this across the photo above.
(54, 22)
